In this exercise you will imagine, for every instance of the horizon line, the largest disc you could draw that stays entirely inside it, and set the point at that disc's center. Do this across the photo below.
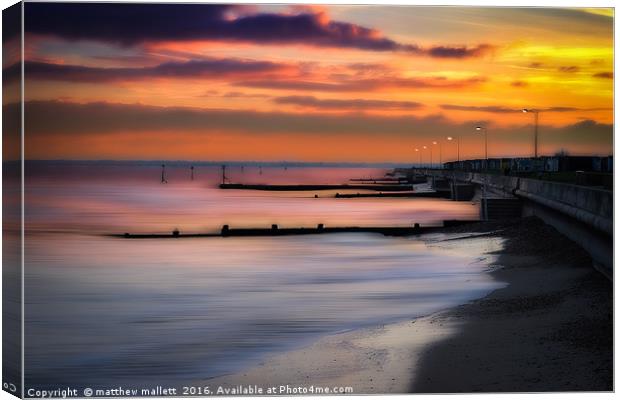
(289, 162)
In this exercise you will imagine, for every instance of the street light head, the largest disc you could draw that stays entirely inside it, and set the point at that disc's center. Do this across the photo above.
(525, 110)
(424, 147)
(417, 149)
(434, 142)
(479, 128)
(449, 138)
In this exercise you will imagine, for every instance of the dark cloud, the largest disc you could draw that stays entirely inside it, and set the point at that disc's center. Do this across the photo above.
(569, 68)
(129, 24)
(56, 117)
(361, 85)
(121, 23)
(233, 95)
(311, 29)
(138, 59)
(214, 68)
(12, 73)
(460, 52)
(572, 109)
(339, 104)
(568, 109)
(604, 75)
(95, 119)
(11, 22)
(506, 110)
(302, 85)
(585, 132)
(489, 109)
(518, 84)
(368, 67)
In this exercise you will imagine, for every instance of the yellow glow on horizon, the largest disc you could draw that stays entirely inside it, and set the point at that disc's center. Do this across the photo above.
(607, 12)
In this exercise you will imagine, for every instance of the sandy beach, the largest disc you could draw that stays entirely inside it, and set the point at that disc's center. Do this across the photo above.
(548, 329)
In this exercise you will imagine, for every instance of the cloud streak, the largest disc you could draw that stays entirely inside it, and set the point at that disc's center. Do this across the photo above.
(340, 104)
(571, 69)
(131, 24)
(362, 85)
(208, 68)
(604, 75)
(508, 110)
(241, 73)
(57, 117)
(519, 84)
(95, 120)
(460, 51)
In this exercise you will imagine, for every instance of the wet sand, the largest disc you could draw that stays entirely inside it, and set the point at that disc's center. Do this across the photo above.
(371, 360)
(549, 329)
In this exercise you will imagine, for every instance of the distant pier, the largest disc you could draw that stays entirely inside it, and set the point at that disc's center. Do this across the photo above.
(421, 194)
(380, 180)
(376, 187)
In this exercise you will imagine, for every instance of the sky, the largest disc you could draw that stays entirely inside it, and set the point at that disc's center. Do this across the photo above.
(311, 83)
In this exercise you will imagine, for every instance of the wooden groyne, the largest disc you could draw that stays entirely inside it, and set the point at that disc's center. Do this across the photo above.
(385, 230)
(275, 230)
(172, 235)
(429, 194)
(379, 180)
(376, 187)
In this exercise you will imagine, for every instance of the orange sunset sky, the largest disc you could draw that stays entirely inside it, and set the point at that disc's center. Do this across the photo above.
(310, 83)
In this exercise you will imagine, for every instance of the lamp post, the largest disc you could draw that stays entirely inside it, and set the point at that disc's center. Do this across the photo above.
(535, 112)
(419, 156)
(440, 160)
(485, 212)
(455, 185)
(424, 147)
(486, 147)
(431, 149)
(458, 148)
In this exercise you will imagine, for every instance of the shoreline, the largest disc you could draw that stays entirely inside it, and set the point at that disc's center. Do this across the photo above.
(371, 360)
(549, 329)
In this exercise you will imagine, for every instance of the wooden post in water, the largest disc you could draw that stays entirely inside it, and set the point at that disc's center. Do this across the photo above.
(224, 179)
(163, 174)
(192, 172)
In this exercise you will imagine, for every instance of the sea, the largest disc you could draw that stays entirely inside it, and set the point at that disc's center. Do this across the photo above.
(106, 312)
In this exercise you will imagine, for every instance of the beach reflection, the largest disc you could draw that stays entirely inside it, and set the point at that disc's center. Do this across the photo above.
(112, 199)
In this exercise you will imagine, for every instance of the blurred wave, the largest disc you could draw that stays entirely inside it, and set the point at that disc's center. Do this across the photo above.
(102, 311)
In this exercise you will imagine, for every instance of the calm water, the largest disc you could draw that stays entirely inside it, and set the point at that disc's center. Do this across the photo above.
(103, 312)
